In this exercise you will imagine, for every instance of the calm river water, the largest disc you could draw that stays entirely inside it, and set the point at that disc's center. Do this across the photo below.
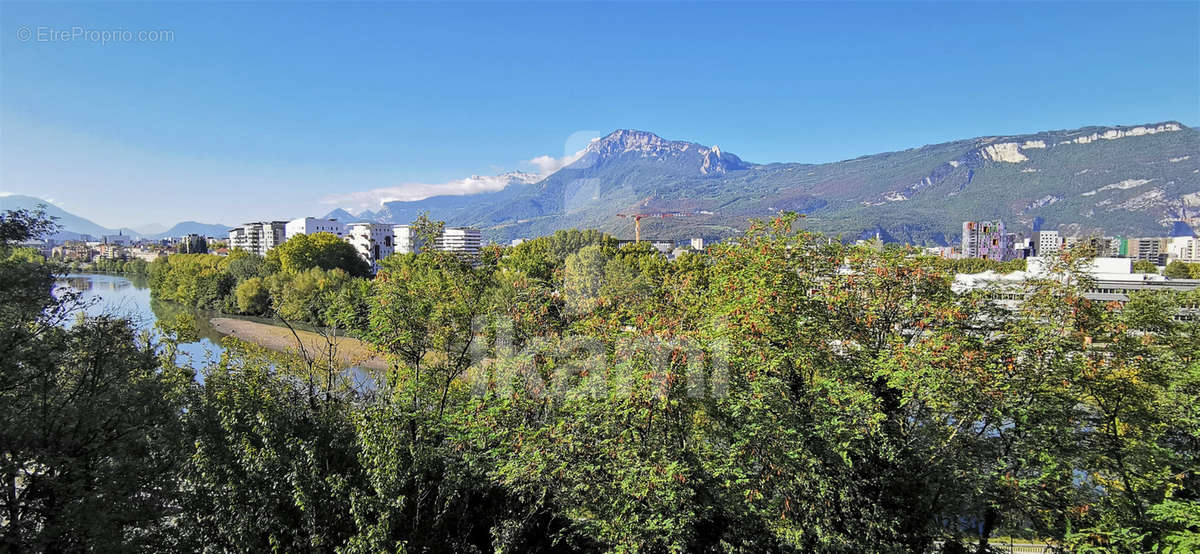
(129, 297)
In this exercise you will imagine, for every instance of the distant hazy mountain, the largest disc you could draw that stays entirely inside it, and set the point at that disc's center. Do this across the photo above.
(151, 229)
(1134, 181)
(341, 215)
(71, 225)
(193, 227)
(445, 207)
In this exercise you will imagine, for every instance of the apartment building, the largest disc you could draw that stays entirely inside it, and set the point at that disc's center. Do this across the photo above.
(376, 241)
(1102, 247)
(405, 240)
(73, 251)
(1046, 243)
(258, 237)
(193, 244)
(1184, 249)
(1153, 249)
(986, 240)
(373, 241)
(459, 240)
(311, 225)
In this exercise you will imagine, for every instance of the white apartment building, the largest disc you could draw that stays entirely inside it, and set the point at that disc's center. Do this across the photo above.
(373, 241)
(1046, 243)
(258, 237)
(404, 240)
(1184, 249)
(697, 243)
(376, 241)
(459, 240)
(311, 225)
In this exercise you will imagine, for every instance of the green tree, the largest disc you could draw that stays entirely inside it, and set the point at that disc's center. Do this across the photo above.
(319, 250)
(272, 463)
(1177, 270)
(252, 297)
(243, 265)
(1144, 266)
(89, 425)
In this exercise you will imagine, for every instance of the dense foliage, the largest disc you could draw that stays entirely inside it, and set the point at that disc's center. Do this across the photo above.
(295, 280)
(1182, 270)
(778, 393)
(128, 267)
(975, 265)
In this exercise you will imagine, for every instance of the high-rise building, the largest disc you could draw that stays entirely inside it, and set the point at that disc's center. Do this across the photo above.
(405, 239)
(1101, 247)
(373, 241)
(258, 237)
(1046, 243)
(1152, 249)
(193, 244)
(697, 243)
(311, 225)
(986, 240)
(459, 240)
(1184, 249)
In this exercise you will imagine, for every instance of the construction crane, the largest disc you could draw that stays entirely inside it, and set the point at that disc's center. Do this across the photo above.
(637, 220)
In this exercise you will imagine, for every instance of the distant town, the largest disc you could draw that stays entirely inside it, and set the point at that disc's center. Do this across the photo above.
(1113, 267)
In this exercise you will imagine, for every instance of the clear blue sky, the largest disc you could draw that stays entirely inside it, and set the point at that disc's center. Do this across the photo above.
(263, 110)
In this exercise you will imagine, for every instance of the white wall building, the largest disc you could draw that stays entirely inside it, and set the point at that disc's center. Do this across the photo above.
(373, 241)
(311, 225)
(1046, 243)
(459, 240)
(697, 243)
(404, 240)
(1184, 249)
(258, 237)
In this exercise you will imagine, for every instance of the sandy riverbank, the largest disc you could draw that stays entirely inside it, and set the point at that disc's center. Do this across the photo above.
(350, 351)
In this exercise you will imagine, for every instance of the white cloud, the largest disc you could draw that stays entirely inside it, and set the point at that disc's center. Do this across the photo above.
(409, 192)
(371, 199)
(549, 164)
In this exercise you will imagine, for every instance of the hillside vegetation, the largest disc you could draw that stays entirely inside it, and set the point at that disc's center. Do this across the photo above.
(1132, 181)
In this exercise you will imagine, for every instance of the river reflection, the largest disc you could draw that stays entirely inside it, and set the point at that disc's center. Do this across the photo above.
(129, 298)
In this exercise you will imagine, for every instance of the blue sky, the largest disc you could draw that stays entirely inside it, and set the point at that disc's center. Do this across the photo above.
(255, 111)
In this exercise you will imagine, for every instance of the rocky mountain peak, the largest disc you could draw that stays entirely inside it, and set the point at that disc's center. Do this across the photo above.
(628, 140)
(686, 156)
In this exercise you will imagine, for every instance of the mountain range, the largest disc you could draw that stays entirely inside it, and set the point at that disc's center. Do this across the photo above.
(72, 226)
(1141, 180)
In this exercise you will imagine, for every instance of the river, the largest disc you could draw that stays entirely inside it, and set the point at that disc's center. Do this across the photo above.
(129, 297)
